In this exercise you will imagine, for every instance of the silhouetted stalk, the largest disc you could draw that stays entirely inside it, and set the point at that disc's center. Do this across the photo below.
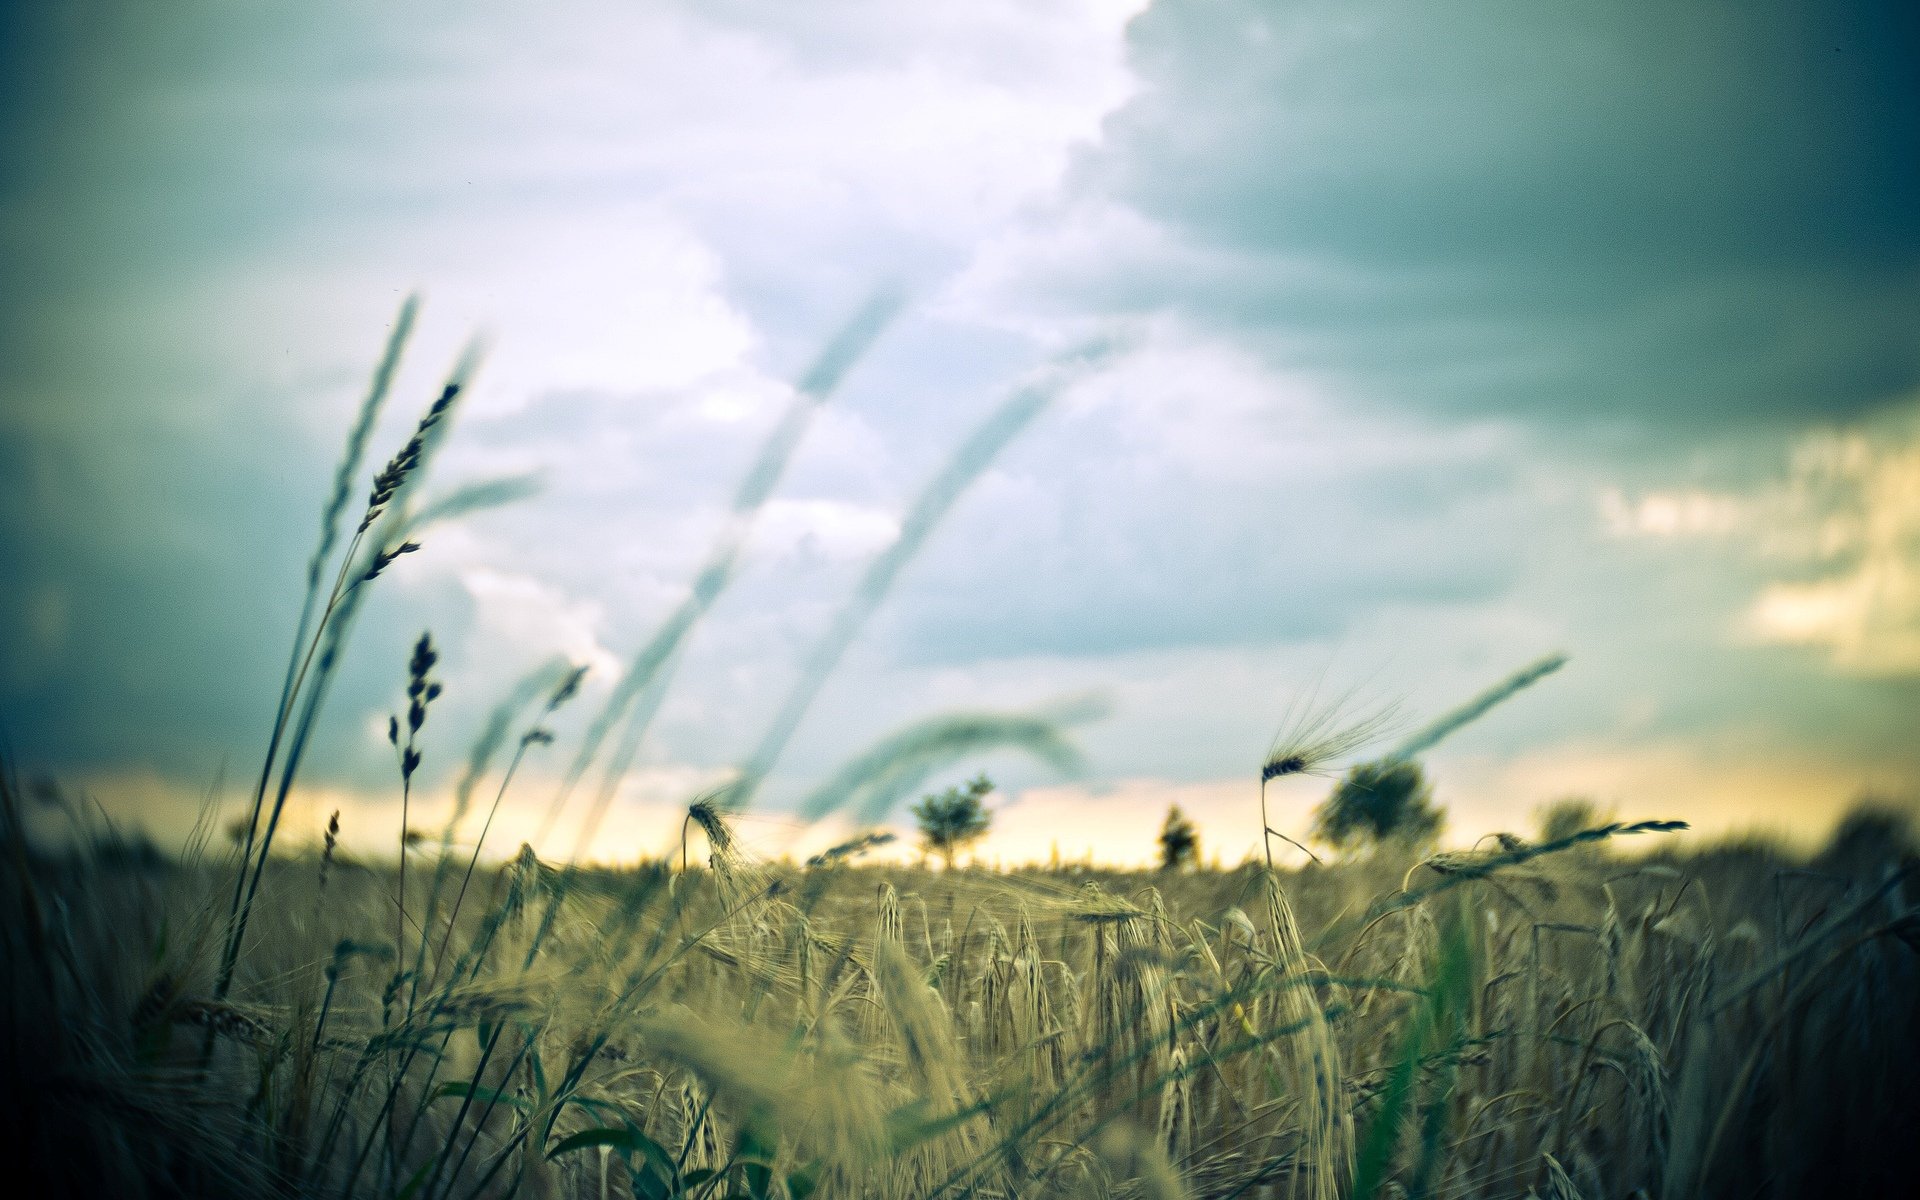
(453, 913)
(297, 661)
(422, 690)
(432, 1181)
(391, 485)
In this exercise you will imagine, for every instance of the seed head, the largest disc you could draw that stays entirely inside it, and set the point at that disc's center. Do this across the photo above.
(384, 559)
(1312, 736)
(568, 688)
(393, 476)
(706, 815)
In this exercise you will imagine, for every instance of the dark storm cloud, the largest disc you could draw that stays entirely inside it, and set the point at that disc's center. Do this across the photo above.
(1684, 212)
(153, 565)
(116, 548)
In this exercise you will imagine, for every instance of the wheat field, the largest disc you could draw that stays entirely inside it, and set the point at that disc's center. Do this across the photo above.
(1554, 1020)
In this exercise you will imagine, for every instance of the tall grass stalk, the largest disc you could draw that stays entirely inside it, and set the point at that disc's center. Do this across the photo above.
(304, 637)
(387, 518)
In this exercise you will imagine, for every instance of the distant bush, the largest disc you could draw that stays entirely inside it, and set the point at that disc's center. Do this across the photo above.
(1379, 802)
(954, 819)
(1875, 833)
(1179, 841)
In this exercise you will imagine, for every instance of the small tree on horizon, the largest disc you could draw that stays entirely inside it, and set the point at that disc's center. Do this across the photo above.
(1179, 841)
(952, 820)
(1377, 803)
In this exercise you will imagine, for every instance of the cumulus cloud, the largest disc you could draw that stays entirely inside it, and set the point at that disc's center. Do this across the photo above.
(1860, 498)
(1835, 535)
(529, 617)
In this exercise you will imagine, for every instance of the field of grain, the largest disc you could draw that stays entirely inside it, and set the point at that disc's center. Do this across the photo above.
(1558, 1020)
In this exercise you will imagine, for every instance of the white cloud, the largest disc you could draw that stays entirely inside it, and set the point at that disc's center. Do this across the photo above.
(835, 530)
(1691, 513)
(526, 620)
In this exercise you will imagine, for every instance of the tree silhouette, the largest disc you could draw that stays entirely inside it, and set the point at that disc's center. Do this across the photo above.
(1179, 841)
(954, 819)
(1379, 802)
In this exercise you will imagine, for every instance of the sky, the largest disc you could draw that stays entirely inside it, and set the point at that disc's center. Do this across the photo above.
(1433, 338)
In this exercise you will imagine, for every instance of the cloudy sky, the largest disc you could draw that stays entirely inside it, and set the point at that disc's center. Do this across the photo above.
(1440, 336)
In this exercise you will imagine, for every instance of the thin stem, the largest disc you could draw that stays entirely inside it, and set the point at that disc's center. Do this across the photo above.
(1289, 841)
(466, 1105)
(460, 896)
(400, 899)
(1266, 826)
(243, 890)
